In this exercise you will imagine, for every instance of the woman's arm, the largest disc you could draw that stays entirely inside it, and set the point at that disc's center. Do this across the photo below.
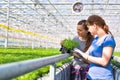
(106, 55)
(103, 61)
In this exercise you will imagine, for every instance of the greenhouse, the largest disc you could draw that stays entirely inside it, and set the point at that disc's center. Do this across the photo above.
(29, 26)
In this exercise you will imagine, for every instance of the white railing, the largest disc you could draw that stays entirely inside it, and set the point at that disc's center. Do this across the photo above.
(13, 70)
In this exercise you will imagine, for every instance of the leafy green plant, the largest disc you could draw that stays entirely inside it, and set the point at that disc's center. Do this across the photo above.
(68, 45)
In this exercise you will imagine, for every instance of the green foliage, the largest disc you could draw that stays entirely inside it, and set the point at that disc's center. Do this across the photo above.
(69, 44)
(116, 54)
(115, 62)
(34, 74)
(19, 54)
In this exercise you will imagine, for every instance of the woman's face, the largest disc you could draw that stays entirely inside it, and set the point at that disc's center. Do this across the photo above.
(92, 29)
(81, 31)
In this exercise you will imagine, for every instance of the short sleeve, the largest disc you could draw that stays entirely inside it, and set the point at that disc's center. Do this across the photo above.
(109, 41)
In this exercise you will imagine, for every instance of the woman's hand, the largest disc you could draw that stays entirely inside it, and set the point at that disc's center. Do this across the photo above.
(76, 55)
(80, 53)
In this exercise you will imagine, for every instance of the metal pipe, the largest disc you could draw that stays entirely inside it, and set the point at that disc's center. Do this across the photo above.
(7, 30)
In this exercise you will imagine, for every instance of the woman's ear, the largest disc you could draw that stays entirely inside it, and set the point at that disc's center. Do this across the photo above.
(95, 26)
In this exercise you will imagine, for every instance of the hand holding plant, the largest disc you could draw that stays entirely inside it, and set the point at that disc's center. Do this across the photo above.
(68, 45)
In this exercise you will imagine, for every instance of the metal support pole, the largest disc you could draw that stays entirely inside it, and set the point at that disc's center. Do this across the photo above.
(8, 11)
(52, 71)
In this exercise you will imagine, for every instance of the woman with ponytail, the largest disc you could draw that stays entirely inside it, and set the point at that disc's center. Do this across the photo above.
(101, 50)
(79, 67)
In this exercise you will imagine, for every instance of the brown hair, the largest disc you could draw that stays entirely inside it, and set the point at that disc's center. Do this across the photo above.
(95, 19)
(89, 36)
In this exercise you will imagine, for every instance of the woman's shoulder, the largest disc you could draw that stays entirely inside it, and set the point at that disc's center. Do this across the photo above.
(76, 38)
(109, 40)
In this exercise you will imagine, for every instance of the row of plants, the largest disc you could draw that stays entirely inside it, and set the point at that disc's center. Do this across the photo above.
(10, 55)
(18, 54)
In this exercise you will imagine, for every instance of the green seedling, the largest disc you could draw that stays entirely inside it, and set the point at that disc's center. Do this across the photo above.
(69, 44)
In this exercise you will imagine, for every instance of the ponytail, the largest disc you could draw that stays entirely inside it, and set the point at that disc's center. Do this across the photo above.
(88, 42)
(106, 29)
